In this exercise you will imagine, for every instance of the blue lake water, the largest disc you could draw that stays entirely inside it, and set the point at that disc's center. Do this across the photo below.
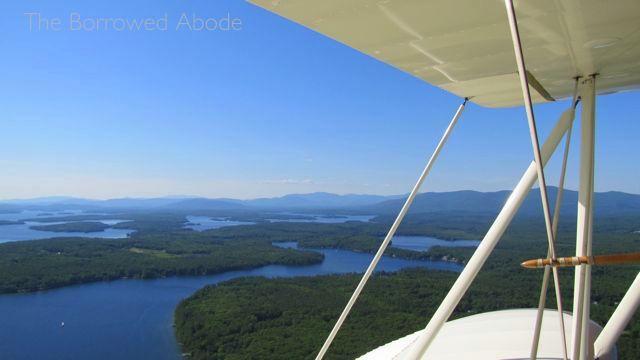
(133, 319)
(322, 218)
(21, 232)
(32, 214)
(424, 243)
(201, 223)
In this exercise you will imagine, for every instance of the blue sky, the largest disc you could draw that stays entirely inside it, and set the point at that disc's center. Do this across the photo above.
(269, 109)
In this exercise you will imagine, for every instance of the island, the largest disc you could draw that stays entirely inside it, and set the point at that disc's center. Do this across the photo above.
(76, 226)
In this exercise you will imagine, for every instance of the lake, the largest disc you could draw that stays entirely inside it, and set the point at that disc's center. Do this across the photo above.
(133, 319)
(21, 232)
(202, 223)
(424, 243)
(321, 218)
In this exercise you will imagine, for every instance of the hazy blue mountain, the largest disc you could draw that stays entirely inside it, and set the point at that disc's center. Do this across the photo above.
(49, 200)
(204, 204)
(142, 203)
(318, 200)
(64, 203)
(606, 203)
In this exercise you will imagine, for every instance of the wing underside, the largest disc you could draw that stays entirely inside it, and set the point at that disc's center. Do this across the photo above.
(464, 46)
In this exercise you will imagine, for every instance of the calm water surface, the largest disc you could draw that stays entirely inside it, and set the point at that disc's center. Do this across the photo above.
(132, 319)
(20, 232)
(424, 243)
(323, 218)
(201, 223)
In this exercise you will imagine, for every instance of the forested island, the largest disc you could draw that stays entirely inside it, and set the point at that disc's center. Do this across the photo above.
(76, 226)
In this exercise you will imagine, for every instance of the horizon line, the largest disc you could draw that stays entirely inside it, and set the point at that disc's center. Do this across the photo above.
(186, 197)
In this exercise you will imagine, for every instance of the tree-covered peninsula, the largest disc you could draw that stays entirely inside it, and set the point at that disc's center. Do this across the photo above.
(290, 318)
(44, 264)
(75, 226)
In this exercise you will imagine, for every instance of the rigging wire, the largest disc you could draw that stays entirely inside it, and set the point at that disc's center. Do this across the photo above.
(556, 218)
(522, 72)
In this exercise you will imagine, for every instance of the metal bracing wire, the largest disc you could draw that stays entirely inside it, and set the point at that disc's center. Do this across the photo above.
(420, 345)
(556, 219)
(392, 231)
(522, 73)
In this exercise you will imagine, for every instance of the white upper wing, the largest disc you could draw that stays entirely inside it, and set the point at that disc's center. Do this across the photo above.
(464, 46)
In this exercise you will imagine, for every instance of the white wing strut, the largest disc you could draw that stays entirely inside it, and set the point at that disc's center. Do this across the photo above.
(582, 281)
(391, 232)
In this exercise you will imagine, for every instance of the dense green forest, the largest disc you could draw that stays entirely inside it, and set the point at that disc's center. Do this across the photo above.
(162, 247)
(289, 318)
(257, 318)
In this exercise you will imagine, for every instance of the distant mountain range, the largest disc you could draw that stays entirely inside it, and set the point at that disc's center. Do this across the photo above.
(318, 200)
(606, 203)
